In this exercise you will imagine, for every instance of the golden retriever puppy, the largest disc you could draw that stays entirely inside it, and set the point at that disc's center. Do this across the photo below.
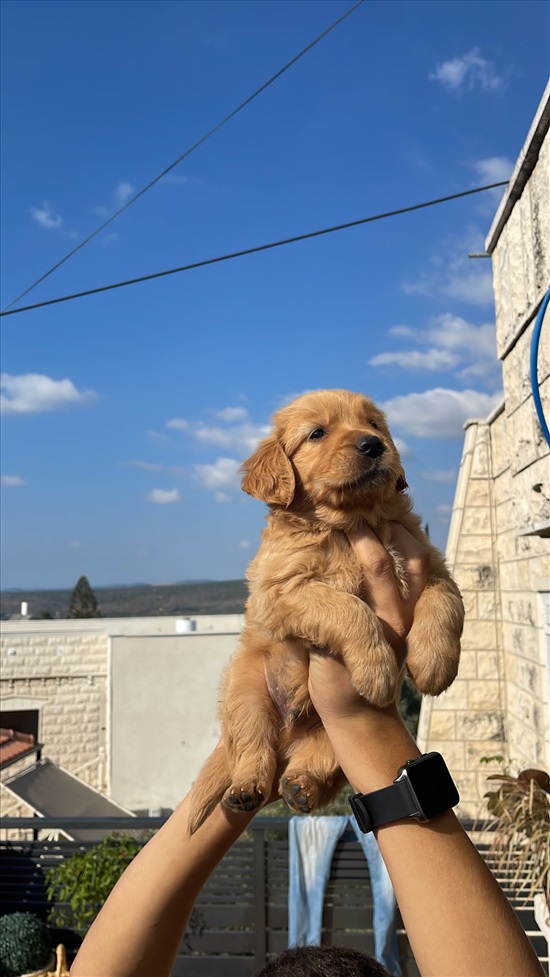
(328, 467)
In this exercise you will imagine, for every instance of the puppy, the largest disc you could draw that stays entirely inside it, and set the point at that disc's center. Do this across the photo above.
(328, 467)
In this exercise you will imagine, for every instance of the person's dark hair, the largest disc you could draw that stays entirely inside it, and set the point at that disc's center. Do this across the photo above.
(322, 961)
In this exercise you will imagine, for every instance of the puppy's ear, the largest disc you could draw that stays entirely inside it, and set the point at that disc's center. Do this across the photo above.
(268, 474)
(401, 485)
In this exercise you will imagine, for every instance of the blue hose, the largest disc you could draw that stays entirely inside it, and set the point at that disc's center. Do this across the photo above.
(534, 372)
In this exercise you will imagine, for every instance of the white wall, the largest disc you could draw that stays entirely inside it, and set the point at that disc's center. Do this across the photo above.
(164, 694)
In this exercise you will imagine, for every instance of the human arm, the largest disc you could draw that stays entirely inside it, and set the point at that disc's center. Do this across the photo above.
(457, 919)
(140, 927)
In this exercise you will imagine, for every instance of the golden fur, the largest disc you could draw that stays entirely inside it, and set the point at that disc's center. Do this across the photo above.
(306, 590)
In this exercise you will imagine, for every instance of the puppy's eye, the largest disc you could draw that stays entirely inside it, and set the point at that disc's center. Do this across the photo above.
(319, 432)
(374, 425)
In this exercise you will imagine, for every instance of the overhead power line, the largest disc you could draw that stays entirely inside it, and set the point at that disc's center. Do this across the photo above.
(254, 250)
(187, 152)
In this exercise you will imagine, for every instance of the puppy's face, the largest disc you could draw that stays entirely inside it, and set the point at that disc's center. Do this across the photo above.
(330, 448)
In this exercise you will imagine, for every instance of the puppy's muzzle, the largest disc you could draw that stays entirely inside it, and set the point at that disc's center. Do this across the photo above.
(370, 446)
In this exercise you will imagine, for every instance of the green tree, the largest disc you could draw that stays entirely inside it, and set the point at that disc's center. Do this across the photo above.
(83, 602)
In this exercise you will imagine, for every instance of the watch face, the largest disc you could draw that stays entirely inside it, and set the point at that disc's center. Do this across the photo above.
(432, 784)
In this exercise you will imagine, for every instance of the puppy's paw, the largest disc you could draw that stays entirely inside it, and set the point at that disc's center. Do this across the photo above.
(244, 798)
(432, 659)
(299, 792)
(377, 681)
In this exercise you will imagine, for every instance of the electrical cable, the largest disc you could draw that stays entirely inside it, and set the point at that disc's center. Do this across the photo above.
(187, 152)
(535, 340)
(254, 250)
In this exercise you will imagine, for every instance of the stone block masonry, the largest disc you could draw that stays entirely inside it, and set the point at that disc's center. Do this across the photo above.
(63, 676)
(498, 547)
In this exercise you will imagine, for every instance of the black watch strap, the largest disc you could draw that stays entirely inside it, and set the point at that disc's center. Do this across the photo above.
(385, 805)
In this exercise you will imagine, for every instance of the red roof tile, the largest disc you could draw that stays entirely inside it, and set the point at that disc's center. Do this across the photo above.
(14, 744)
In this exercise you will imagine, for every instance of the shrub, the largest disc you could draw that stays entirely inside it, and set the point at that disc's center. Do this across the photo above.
(25, 944)
(83, 882)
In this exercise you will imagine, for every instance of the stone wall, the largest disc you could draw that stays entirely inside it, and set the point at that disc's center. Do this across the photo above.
(498, 544)
(63, 674)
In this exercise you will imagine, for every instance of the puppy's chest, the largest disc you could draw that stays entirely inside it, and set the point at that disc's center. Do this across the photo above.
(329, 560)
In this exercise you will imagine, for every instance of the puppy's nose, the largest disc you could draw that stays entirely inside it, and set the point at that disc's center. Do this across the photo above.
(370, 445)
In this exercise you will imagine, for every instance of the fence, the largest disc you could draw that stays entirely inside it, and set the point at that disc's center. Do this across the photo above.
(241, 917)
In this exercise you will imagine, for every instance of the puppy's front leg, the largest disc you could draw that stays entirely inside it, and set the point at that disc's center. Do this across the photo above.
(433, 645)
(345, 626)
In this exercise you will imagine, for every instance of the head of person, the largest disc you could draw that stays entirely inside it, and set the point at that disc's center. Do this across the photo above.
(323, 961)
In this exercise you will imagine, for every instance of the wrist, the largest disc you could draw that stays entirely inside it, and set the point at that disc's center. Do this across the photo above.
(371, 748)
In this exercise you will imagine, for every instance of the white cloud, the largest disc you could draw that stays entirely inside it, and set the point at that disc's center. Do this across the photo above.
(452, 273)
(244, 545)
(466, 72)
(473, 285)
(440, 412)
(401, 446)
(220, 497)
(12, 481)
(101, 211)
(164, 496)
(224, 473)
(231, 414)
(432, 359)
(402, 331)
(149, 466)
(454, 345)
(33, 393)
(447, 476)
(123, 192)
(176, 179)
(157, 436)
(45, 216)
(241, 438)
(455, 333)
(493, 169)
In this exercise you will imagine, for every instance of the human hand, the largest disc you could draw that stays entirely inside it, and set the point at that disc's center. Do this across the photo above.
(330, 687)
(393, 608)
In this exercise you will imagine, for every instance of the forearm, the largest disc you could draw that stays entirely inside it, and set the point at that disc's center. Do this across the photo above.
(457, 919)
(139, 929)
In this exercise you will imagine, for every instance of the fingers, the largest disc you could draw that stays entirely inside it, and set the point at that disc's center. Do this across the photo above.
(416, 555)
(378, 565)
(393, 607)
(369, 551)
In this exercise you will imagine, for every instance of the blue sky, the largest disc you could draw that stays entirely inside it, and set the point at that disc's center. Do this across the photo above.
(125, 415)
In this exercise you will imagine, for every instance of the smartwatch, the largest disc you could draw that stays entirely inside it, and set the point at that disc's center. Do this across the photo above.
(422, 789)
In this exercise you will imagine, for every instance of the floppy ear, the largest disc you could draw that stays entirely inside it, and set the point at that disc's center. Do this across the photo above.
(268, 474)
(401, 485)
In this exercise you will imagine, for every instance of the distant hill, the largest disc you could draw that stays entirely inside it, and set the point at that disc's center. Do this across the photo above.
(140, 600)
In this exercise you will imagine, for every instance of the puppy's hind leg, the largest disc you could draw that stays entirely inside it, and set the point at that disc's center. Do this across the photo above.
(313, 776)
(207, 791)
(251, 726)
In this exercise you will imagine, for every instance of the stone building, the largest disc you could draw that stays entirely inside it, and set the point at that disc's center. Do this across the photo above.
(126, 704)
(499, 546)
